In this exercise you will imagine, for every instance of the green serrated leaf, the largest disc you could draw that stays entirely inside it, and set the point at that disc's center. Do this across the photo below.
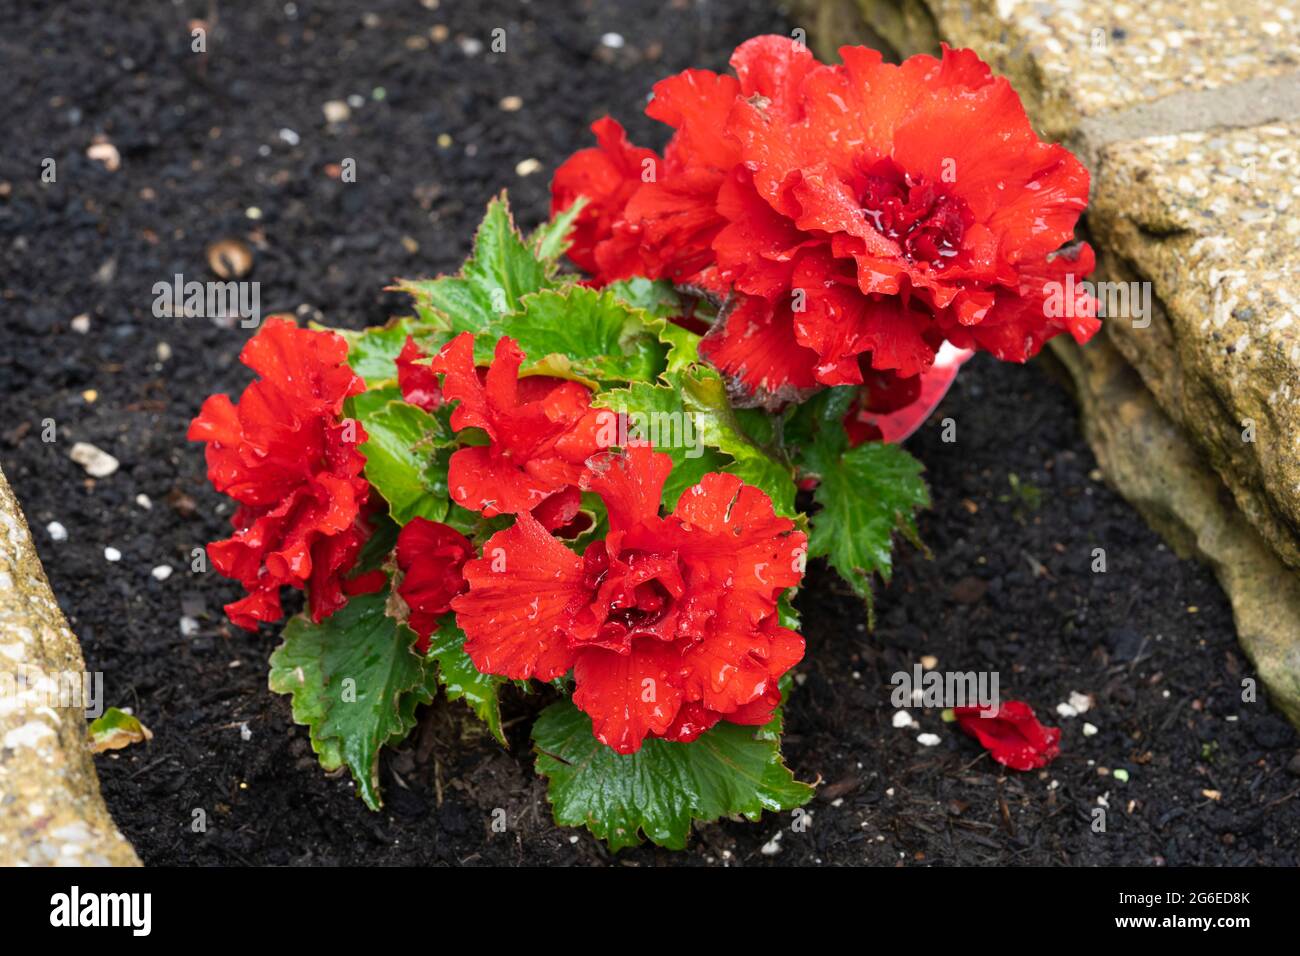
(866, 494)
(586, 335)
(501, 271)
(461, 679)
(660, 302)
(659, 790)
(407, 450)
(551, 239)
(355, 683)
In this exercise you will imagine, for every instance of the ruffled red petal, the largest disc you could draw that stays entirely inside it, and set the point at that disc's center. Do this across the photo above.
(607, 175)
(416, 379)
(628, 696)
(1011, 733)
(754, 345)
(541, 431)
(432, 557)
(523, 594)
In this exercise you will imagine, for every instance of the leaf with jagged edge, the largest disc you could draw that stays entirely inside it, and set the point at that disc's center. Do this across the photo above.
(407, 452)
(585, 335)
(659, 790)
(355, 682)
(550, 240)
(502, 269)
(661, 303)
(867, 494)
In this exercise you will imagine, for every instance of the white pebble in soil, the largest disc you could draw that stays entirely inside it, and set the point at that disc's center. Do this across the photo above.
(143, 501)
(112, 554)
(773, 846)
(244, 733)
(162, 572)
(97, 462)
(929, 740)
(1089, 730)
(189, 627)
(902, 719)
(1080, 702)
(56, 531)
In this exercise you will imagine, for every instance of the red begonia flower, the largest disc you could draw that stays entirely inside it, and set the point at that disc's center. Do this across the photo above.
(669, 624)
(292, 464)
(418, 382)
(1011, 734)
(861, 210)
(431, 556)
(607, 174)
(541, 431)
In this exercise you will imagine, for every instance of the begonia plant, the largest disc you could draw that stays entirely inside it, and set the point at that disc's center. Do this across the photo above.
(603, 485)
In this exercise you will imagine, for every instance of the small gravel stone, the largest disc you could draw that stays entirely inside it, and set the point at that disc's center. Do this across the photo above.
(162, 572)
(614, 41)
(97, 462)
(526, 167)
(143, 501)
(105, 154)
(336, 111)
(902, 719)
(929, 740)
(112, 554)
(81, 324)
(189, 627)
(290, 137)
(56, 531)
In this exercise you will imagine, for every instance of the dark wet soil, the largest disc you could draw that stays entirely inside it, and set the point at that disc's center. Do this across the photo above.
(234, 143)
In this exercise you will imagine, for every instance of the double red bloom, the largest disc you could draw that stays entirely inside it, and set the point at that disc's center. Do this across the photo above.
(284, 454)
(669, 624)
(852, 215)
(540, 431)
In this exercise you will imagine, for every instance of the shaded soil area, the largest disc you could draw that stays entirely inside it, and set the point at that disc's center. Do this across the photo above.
(234, 143)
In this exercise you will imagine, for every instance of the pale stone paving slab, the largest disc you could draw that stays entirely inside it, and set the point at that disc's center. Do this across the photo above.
(1210, 219)
(1074, 59)
(51, 812)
